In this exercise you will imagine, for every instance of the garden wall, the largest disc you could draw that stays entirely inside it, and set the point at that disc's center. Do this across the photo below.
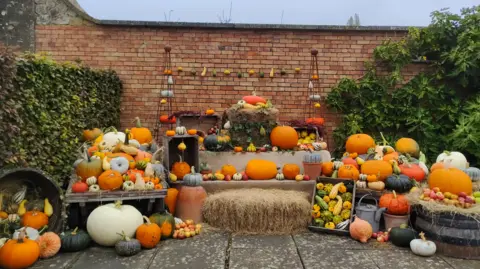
(136, 49)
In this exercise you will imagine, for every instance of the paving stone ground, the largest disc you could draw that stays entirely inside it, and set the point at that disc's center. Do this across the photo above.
(221, 250)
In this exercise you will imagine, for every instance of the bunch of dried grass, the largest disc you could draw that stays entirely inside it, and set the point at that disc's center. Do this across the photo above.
(258, 211)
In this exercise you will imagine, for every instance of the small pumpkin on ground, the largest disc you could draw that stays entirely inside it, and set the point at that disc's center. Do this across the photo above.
(74, 240)
(395, 204)
(148, 234)
(166, 222)
(422, 246)
(50, 244)
(361, 230)
(19, 253)
(127, 246)
(402, 236)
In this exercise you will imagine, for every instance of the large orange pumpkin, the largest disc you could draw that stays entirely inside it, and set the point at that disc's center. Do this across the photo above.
(34, 219)
(141, 134)
(284, 137)
(395, 204)
(407, 145)
(290, 171)
(348, 171)
(359, 143)
(110, 180)
(380, 168)
(327, 169)
(261, 169)
(451, 180)
(181, 168)
(20, 253)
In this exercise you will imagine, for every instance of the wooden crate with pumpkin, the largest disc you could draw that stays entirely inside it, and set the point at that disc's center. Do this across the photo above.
(333, 206)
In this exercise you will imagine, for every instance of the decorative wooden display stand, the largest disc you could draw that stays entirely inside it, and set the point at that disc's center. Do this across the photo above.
(109, 196)
(190, 155)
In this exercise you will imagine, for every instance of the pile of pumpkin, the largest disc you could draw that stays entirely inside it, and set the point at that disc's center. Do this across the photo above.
(119, 160)
(332, 208)
(380, 167)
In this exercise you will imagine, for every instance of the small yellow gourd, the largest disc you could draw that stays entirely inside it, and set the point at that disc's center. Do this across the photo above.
(251, 148)
(330, 225)
(334, 191)
(299, 177)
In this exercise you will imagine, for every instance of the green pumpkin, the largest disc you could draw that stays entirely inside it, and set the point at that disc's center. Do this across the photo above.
(398, 183)
(211, 142)
(127, 246)
(166, 222)
(401, 237)
(473, 173)
(74, 240)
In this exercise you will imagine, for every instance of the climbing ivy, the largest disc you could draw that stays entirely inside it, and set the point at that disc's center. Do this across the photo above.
(45, 107)
(430, 107)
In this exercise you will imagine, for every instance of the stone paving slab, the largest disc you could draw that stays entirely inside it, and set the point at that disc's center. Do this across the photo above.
(462, 264)
(322, 241)
(106, 258)
(203, 240)
(262, 241)
(60, 261)
(189, 257)
(264, 258)
(405, 259)
(336, 258)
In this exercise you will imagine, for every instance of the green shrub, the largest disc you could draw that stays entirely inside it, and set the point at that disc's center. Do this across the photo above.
(45, 107)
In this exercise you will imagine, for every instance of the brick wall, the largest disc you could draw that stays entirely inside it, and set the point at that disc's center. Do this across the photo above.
(137, 54)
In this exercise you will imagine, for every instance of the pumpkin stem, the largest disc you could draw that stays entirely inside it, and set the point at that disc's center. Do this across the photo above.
(422, 235)
(181, 159)
(447, 152)
(385, 143)
(127, 134)
(118, 204)
(43, 229)
(147, 220)
(394, 194)
(21, 236)
(124, 236)
(110, 129)
(192, 170)
(75, 231)
(85, 153)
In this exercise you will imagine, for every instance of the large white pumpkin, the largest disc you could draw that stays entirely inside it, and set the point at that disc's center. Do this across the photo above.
(106, 222)
(110, 139)
(454, 159)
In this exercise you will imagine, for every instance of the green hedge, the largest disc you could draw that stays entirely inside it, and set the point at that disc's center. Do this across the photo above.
(46, 105)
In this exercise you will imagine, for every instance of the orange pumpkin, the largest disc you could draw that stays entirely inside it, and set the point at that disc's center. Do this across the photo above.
(315, 121)
(3, 215)
(407, 145)
(158, 187)
(192, 132)
(412, 170)
(290, 171)
(131, 160)
(141, 134)
(142, 155)
(348, 171)
(238, 149)
(395, 204)
(451, 180)
(284, 137)
(92, 134)
(391, 156)
(171, 200)
(131, 174)
(380, 168)
(34, 219)
(261, 169)
(164, 119)
(210, 111)
(327, 169)
(372, 178)
(228, 169)
(92, 150)
(20, 253)
(170, 133)
(254, 99)
(110, 180)
(180, 169)
(148, 234)
(359, 143)
(172, 120)
(49, 244)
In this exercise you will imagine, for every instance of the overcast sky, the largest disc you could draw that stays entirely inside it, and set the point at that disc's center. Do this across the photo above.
(320, 12)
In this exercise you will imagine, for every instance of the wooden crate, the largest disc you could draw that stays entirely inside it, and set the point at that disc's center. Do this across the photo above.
(352, 189)
(201, 123)
(171, 152)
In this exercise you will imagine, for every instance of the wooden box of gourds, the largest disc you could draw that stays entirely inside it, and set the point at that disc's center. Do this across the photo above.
(173, 154)
(332, 223)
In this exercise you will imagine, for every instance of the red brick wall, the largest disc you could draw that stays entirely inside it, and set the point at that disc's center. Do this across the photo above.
(137, 54)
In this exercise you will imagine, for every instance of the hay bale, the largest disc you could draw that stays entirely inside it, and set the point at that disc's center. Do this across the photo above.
(258, 211)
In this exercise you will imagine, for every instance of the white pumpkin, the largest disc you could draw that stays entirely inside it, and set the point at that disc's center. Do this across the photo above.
(111, 139)
(149, 172)
(149, 185)
(454, 159)
(119, 164)
(128, 185)
(134, 143)
(237, 176)
(107, 221)
(32, 233)
(227, 125)
(361, 184)
(91, 181)
(280, 176)
(423, 247)
(94, 188)
(180, 130)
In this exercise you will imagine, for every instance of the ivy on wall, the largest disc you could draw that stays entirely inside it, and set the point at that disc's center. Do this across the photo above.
(45, 107)
(439, 108)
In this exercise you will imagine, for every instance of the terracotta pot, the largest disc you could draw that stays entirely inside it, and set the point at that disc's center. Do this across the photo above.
(190, 202)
